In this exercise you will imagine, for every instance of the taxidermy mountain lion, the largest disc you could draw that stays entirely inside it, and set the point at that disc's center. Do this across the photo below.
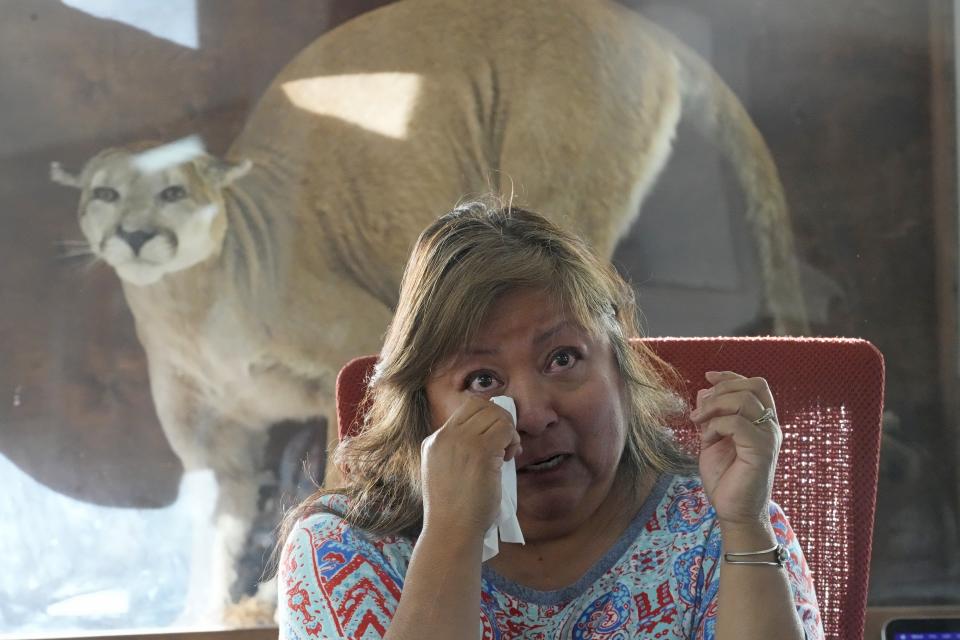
(253, 279)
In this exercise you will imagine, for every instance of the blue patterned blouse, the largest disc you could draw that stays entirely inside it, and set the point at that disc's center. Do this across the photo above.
(659, 580)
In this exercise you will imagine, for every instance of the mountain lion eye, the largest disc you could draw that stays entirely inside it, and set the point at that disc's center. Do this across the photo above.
(174, 193)
(107, 194)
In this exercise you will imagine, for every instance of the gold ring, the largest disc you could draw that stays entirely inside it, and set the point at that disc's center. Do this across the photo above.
(768, 415)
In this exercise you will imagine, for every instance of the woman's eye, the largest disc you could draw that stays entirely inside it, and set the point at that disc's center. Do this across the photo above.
(481, 381)
(107, 194)
(174, 193)
(564, 359)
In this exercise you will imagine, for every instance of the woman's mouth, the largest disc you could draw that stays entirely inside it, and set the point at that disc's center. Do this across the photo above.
(547, 464)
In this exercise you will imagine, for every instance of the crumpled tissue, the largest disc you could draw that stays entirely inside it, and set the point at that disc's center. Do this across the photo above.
(506, 527)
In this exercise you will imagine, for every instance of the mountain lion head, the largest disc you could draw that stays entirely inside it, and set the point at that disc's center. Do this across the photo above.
(147, 218)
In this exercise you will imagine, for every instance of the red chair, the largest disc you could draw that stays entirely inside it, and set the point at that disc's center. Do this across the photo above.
(829, 394)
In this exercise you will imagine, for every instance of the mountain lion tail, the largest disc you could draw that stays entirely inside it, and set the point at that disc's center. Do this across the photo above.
(710, 105)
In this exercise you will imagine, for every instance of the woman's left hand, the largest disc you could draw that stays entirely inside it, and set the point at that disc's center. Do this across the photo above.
(737, 457)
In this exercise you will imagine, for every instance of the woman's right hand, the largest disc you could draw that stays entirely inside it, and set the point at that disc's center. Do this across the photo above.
(460, 468)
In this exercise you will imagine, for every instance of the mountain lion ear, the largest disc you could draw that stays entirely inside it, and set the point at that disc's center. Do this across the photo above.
(61, 176)
(222, 173)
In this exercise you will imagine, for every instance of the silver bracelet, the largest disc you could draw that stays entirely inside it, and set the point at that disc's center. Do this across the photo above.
(778, 558)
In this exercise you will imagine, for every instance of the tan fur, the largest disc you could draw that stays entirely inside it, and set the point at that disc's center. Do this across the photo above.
(365, 137)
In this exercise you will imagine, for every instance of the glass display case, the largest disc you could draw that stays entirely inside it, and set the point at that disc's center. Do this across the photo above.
(109, 520)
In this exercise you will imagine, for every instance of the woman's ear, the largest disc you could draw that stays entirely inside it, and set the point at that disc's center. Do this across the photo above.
(61, 176)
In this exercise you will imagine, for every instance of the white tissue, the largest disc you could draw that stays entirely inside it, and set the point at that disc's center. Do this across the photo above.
(506, 526)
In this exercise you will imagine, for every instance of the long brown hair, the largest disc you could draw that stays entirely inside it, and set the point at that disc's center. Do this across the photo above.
(461, 264)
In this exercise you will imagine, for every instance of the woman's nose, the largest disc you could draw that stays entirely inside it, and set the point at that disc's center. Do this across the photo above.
(535, 407)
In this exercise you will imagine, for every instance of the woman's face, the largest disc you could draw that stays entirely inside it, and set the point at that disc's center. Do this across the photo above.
(570, 412)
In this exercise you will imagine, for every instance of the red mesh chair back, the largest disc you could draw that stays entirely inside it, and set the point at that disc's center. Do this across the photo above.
(829, 394)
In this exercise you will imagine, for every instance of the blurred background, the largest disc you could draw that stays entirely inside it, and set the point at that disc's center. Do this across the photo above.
(855, 98)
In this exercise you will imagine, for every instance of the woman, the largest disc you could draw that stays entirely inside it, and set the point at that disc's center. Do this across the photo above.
(622, 538)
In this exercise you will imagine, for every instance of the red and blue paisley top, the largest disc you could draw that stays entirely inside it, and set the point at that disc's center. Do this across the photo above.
(658, 581)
